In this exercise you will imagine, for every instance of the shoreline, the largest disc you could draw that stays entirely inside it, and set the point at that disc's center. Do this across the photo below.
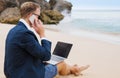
(106, 37)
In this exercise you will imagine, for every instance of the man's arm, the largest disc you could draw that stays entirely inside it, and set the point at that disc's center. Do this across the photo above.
(41, 51)
(32, 46)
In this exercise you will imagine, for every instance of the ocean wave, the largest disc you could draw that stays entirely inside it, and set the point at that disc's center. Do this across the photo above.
(98, 25)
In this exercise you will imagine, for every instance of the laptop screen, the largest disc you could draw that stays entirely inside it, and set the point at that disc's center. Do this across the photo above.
(62, 49)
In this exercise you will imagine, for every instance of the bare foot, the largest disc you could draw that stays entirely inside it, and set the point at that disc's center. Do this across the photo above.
(76, 70)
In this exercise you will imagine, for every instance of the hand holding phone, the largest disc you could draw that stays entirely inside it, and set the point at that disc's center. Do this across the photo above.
(38, 26)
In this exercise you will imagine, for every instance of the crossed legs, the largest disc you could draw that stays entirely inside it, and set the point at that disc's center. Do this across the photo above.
(65, 69)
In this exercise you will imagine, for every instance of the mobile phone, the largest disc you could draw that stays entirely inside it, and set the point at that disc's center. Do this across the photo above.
(32, 18)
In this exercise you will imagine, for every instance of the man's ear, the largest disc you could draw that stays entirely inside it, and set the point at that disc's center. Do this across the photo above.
(28, 16)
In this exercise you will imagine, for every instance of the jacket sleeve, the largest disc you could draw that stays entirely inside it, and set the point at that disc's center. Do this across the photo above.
(32, 46)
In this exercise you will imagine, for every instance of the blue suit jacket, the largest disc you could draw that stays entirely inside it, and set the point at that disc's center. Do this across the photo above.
(24, 55)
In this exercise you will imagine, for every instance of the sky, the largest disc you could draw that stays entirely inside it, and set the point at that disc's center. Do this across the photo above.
(96, 4)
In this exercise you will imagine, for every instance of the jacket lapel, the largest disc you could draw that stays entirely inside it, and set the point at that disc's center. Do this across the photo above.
(22, 24)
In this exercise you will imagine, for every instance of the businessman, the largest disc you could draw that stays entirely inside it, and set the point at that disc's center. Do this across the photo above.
(24, 56)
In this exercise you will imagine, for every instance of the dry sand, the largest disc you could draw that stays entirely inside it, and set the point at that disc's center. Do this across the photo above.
(103, 57)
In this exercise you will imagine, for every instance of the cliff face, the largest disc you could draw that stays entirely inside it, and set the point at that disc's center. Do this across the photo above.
(9, 10)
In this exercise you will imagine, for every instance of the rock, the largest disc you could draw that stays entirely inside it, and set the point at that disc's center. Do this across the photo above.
(44, 5)
(52, 4)
(2, 5)
(10, 3)
(10, 15)
(51, 17)
(60, 5)
(50, 12)
(13, 3)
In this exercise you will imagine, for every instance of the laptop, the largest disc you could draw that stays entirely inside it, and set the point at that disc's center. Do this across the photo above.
(60, 52)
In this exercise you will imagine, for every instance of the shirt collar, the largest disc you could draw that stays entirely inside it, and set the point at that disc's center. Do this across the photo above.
(26, 24)
(30, 28)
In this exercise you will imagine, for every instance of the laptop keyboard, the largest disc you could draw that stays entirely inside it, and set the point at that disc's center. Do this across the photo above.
(57, 58)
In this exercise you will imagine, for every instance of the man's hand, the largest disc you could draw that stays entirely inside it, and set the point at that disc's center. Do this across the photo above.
(38, 26)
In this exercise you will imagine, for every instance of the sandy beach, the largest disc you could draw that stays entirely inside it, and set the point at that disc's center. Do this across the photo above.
(103, 57)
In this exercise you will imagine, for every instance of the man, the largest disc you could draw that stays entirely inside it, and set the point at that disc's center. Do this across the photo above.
(24, 56)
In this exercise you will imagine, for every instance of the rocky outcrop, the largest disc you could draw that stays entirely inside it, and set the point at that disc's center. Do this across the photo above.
(51, 11)
(60, 5)
(51, 17)
(10, 15)
(2, 5)
(16, 3)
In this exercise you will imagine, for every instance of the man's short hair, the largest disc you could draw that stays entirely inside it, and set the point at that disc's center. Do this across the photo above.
(27, 8)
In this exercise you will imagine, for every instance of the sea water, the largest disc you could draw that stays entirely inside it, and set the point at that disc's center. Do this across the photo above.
(98, 24)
